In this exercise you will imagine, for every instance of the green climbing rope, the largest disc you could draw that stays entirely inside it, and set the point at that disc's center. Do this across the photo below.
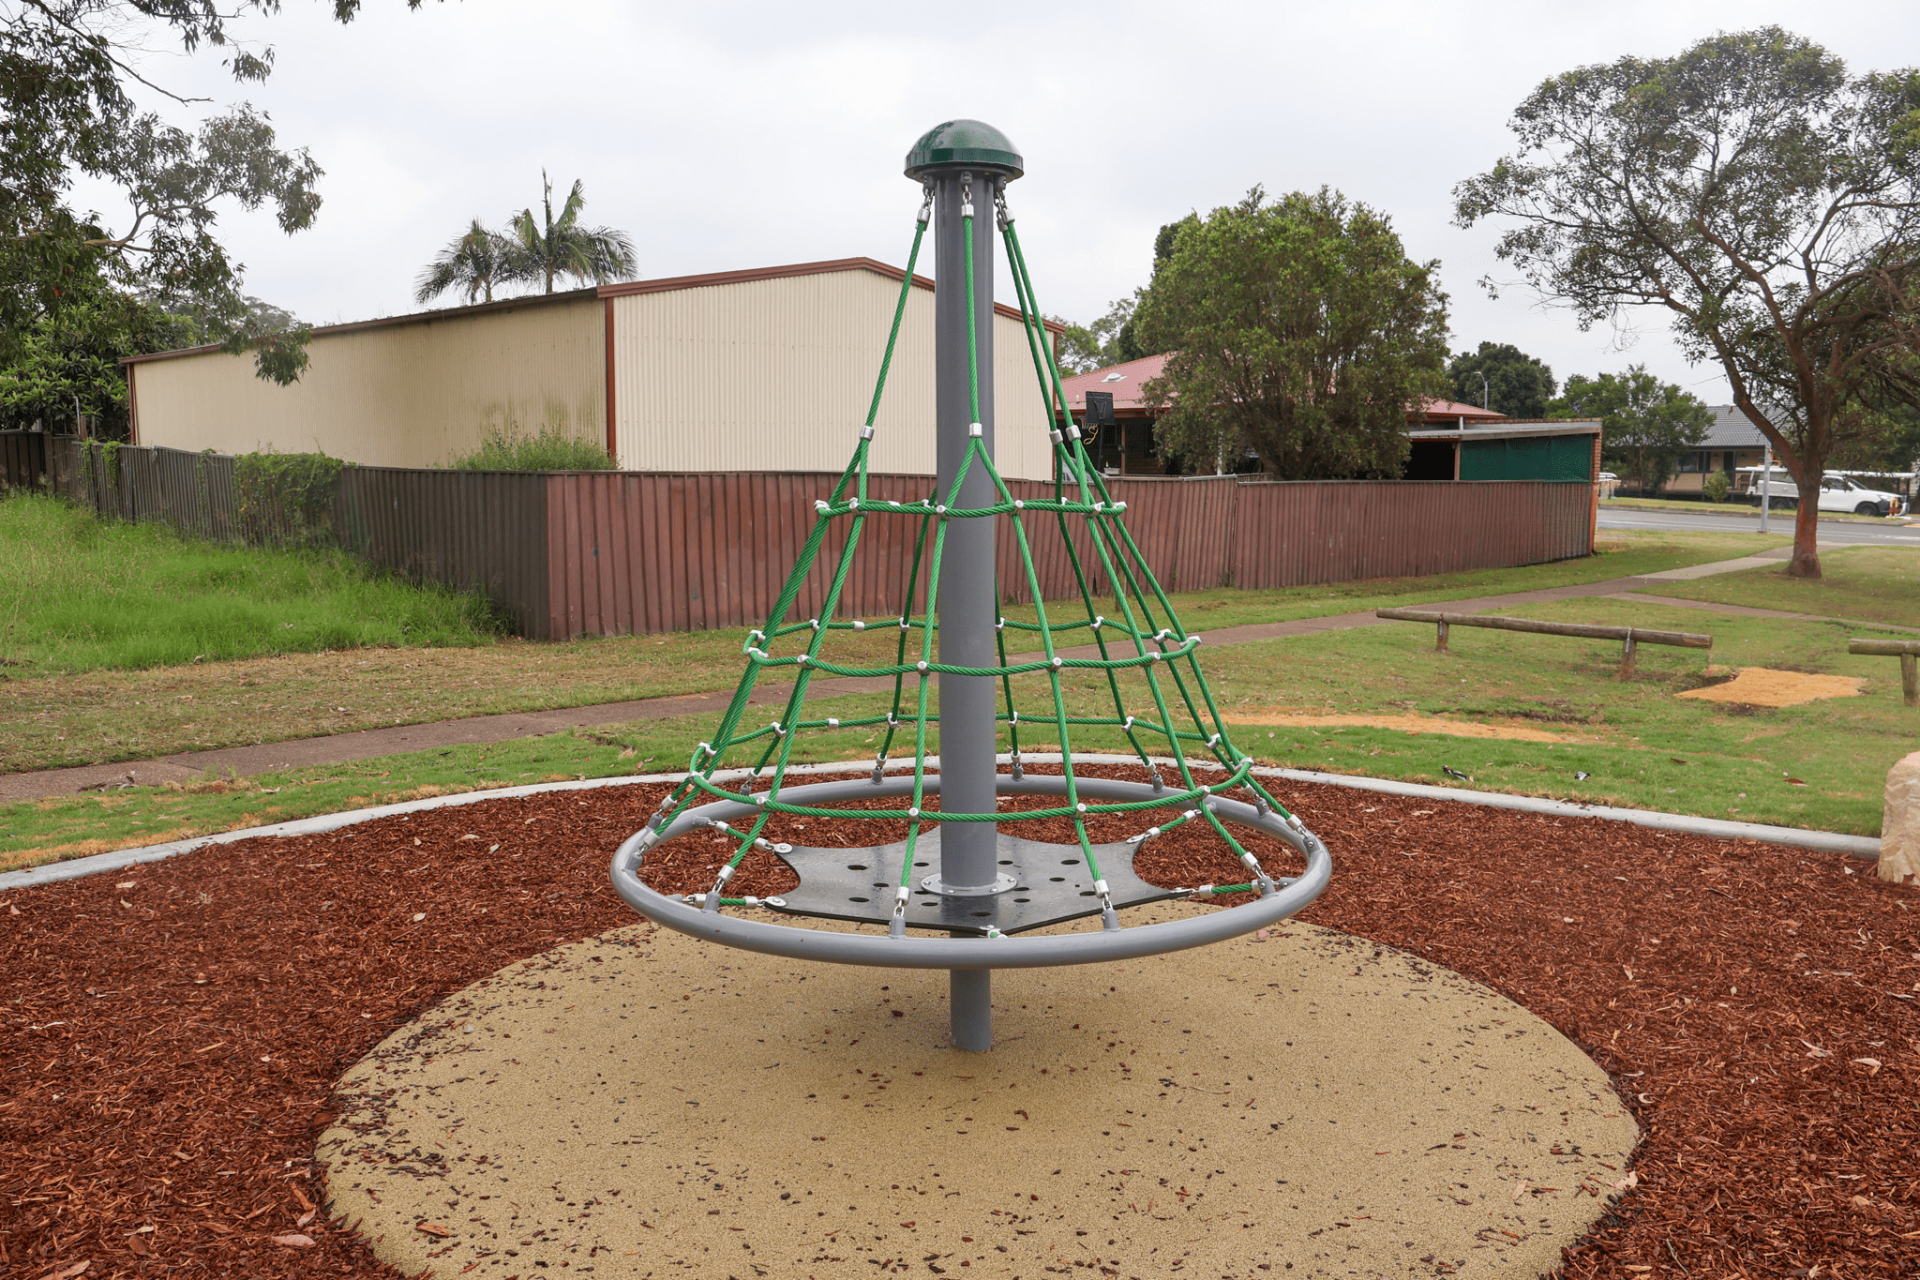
(1130, 622)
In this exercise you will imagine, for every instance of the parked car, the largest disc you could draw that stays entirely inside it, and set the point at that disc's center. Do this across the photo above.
(1837, 493)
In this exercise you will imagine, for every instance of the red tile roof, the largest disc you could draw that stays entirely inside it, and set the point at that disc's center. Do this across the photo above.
(1122, 379)
(1452, 411)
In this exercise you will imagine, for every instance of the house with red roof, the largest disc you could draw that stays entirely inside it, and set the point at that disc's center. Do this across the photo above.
(1451, 440)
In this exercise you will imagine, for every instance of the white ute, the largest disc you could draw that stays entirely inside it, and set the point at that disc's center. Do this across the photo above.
(1837, 493)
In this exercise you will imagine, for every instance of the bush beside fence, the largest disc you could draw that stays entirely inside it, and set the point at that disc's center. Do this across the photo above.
(617, 552)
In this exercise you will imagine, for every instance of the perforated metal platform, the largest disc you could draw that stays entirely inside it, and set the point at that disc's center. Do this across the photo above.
(1049, 885)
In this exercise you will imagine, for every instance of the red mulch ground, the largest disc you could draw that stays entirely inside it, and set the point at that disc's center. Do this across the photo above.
(171, 1033)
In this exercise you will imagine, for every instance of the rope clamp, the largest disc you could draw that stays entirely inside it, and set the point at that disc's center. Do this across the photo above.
(920, 666)
(1019, 504)
(819, 504)
(853, 504)
(859, 625)
(1059, 662)
(833, 722)
(1054, 435)
(866, 432)
(1000, 625)
(975, 430)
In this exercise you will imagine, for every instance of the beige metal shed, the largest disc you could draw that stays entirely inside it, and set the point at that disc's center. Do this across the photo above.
(765, 370)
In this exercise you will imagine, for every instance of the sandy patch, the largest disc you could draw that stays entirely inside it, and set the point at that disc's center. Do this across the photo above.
(1765, 687)
(643, 1104)
(1272, 716)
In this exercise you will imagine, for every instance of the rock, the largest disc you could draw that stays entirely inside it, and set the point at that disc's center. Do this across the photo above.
(1900, 826)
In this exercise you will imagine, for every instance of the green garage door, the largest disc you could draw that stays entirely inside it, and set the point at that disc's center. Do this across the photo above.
(1567, 458)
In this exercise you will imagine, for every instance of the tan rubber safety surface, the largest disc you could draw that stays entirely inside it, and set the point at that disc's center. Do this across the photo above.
(1304, 1104)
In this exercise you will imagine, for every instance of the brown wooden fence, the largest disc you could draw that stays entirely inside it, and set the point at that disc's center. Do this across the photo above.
(612, 552)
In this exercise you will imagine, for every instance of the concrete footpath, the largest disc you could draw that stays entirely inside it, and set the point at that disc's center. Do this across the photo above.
(301, 753)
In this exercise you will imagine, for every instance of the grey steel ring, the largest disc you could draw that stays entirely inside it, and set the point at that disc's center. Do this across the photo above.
(916, 952)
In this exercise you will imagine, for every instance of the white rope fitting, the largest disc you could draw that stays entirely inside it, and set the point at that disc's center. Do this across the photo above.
(1080, 807)
(833, 722)
(1191, 814)
(1128, 724)
(800, 659)
(890, 719)
(756, 633)
(1059, 662)
(778, 732)
(853, 504)
(1099, 507)
(1151, 833)
(1205, 888)
(1253, 863)
(696, 898)
(1013, 717)
(920, 665)
(1205, 790)
(1193, 640)
(993, 931)
(1019, 504)
(756, 653)
(761, 800)
(1100, 887)
(748, 900)
(903, 624)
(1000, 625)
(1153, 657)
(975, 430)
(781, 846)
(1294, 822)
(1119, 506)
(859, 625)
(913, 811)
(761, 842)
(1073, 431)
(1054, 436)
(940, 509)
(900, 894)
(814, 623)
(726, 874)
(866, 432)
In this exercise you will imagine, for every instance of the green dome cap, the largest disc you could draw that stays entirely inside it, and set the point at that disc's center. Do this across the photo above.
(962, 144)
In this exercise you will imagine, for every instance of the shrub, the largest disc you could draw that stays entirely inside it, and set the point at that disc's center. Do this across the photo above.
(1717, 487)
(286, 499)
(550, 450)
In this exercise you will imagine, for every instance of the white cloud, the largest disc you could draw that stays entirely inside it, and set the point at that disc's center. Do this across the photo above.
(728, 135)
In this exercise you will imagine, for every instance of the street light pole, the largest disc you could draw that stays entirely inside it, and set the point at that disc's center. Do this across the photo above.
(1486, 397)
(1766, 486)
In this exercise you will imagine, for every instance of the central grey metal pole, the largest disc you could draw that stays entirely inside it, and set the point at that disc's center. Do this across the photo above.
(966, 608)
(964, 160)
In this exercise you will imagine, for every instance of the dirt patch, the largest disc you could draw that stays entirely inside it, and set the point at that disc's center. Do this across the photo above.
(1766, 687)
(1290, 716)
(174, 1057)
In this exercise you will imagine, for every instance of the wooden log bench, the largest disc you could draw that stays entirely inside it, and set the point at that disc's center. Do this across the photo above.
(1630, 638)
(1908, 651)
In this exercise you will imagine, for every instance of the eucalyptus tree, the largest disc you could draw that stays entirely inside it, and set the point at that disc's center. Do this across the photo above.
(548, 246)
(1752, 187)
(69, 74)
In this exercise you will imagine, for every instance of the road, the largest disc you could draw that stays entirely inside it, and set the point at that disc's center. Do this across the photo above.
(1833, 533)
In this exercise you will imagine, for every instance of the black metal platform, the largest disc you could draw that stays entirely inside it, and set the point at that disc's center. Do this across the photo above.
(1051, 885)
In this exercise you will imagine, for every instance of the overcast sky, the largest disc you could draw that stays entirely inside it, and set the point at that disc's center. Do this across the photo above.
(734, 135)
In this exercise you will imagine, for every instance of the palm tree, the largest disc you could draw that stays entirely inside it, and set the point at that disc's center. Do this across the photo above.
(563, 247)
(474, 262)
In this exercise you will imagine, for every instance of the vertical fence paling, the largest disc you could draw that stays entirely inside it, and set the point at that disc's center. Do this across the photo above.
(610, 553)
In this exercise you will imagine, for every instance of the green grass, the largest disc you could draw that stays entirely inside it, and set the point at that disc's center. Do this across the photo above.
(1873, 584)
(1642, 746)
(103, 715)
(81, 594)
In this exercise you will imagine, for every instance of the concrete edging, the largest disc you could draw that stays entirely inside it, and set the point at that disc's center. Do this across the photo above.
(1867, 847)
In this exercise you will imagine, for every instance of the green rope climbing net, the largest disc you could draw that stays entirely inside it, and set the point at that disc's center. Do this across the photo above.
(1143, 650)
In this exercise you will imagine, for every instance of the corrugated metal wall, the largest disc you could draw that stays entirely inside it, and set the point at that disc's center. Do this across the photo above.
(777, 375)
(609, 553)
(637, 553)
(23, 459)
(471, 530)
(405, 395)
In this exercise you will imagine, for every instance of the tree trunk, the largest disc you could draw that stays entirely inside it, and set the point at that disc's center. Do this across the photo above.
(1806, 533)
